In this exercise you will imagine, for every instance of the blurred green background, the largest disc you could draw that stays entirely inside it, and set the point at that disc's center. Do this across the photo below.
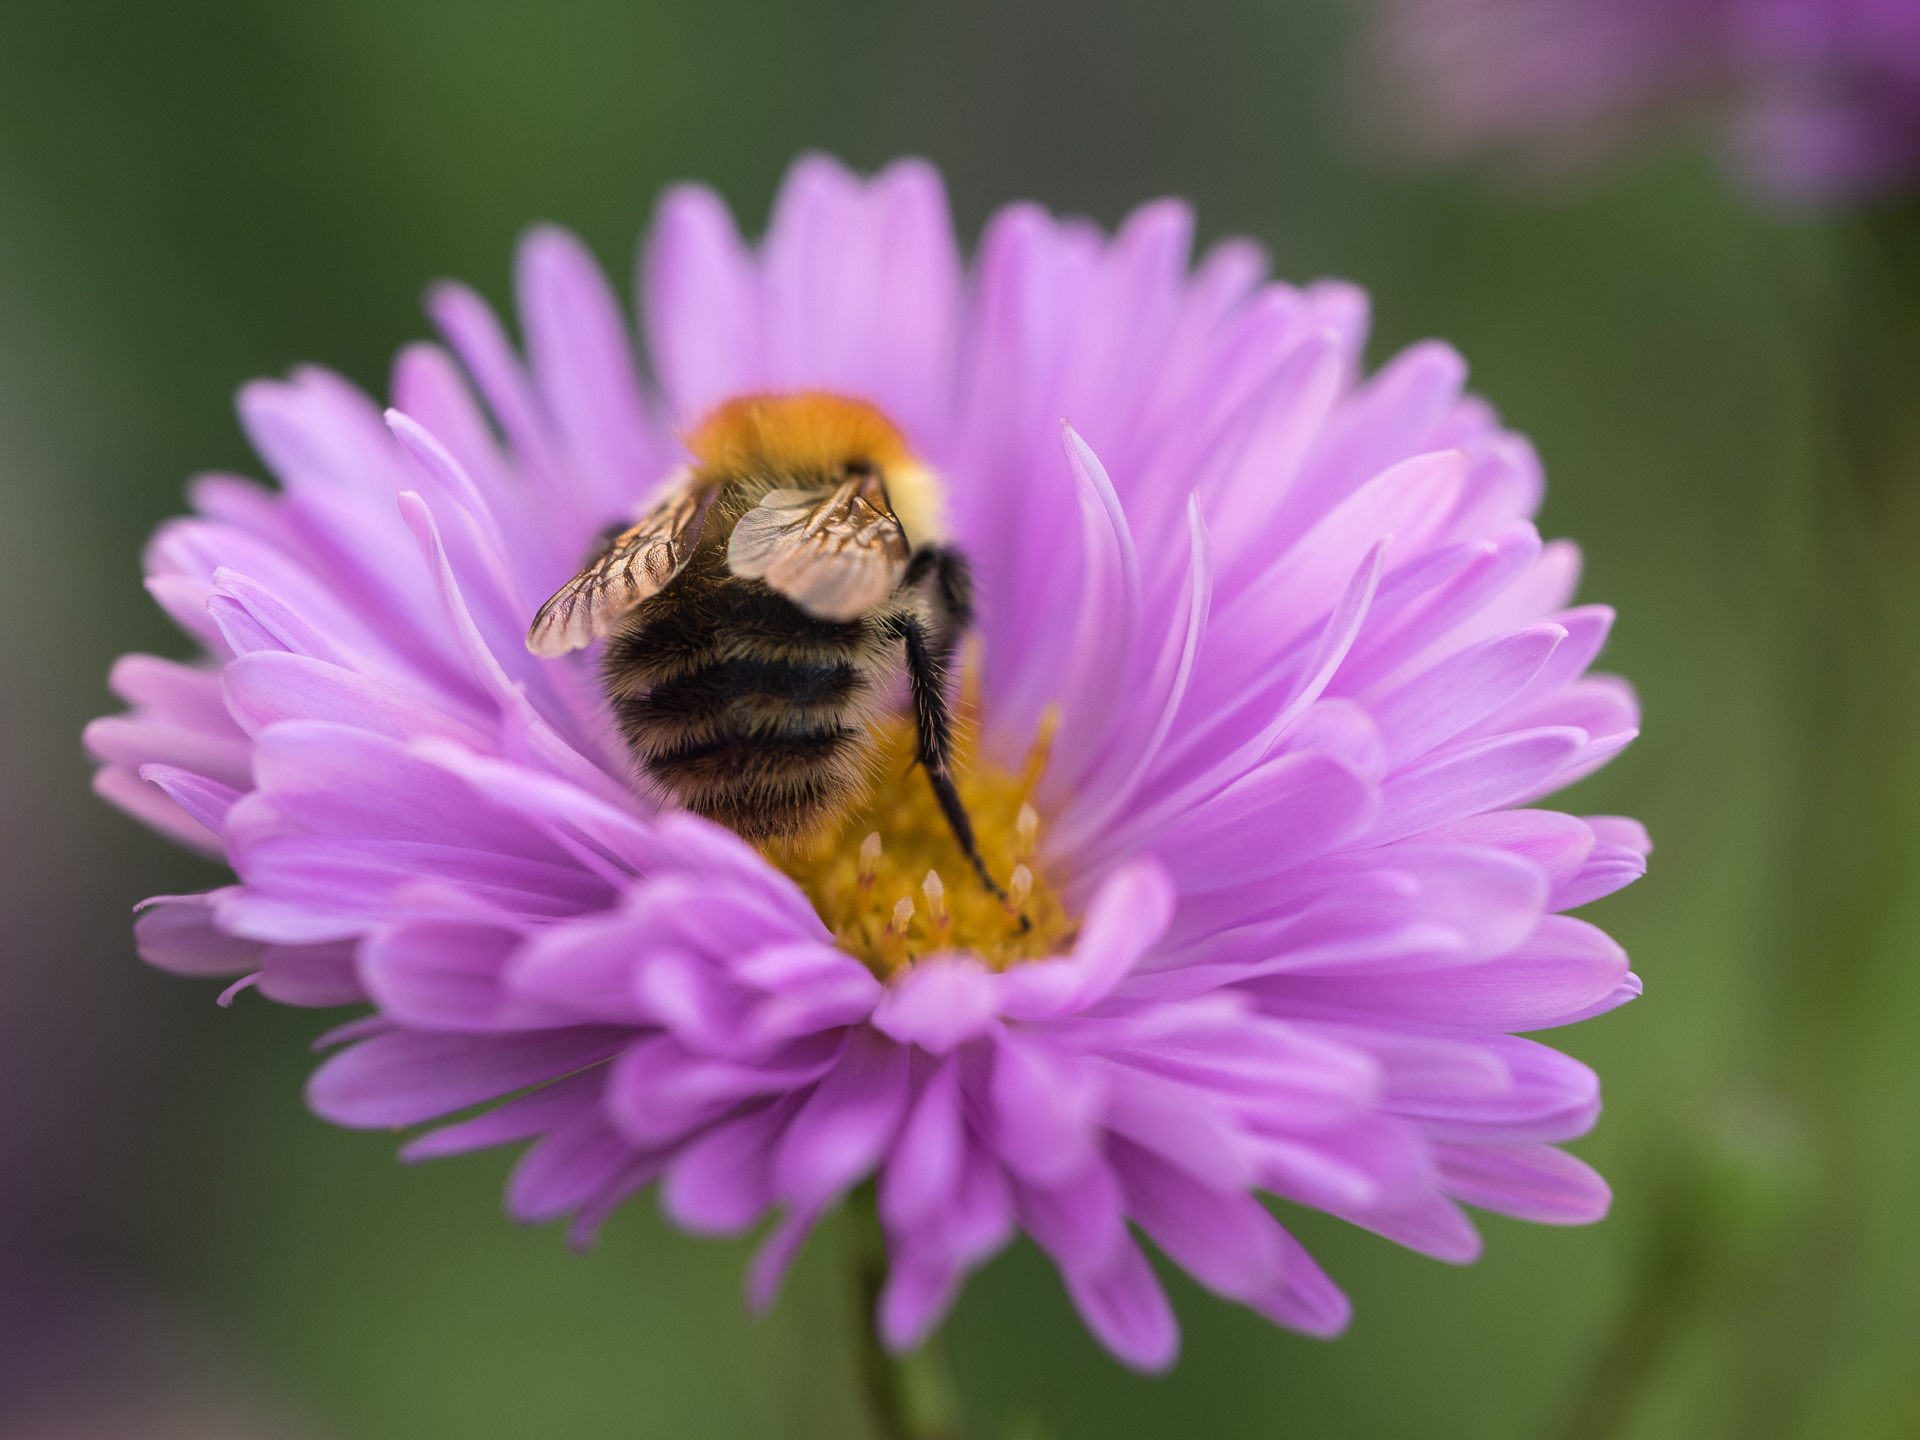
(193, 194)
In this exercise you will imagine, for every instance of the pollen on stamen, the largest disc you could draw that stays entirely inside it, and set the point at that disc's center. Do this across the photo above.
(864, 871)
(1042, 751)
(893, 937)
(935, 890)
(1026, 833)
(869, 867)
(1018, 888)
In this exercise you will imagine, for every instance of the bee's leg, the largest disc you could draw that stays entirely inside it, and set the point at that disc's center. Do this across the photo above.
(952, 586)
(933, 729)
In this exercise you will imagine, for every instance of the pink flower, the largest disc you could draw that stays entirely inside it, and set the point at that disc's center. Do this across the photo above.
(1819, 100)
(1310, 662)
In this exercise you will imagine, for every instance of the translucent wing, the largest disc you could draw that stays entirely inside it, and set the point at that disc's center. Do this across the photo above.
(835, 556)
(638, 563)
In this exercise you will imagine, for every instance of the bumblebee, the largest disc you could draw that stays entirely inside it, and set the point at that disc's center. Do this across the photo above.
(758, 616)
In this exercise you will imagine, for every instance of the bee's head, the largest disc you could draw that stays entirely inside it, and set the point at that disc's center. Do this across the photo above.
(816, 440)
(812, 437)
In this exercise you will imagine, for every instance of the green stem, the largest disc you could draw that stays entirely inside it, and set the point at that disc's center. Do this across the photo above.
(911, 1397)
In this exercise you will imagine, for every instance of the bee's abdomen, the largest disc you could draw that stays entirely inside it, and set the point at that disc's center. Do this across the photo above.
(761, 697)
(766, 786)
(763, 746)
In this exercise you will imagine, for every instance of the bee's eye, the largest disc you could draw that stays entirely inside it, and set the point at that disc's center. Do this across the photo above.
(859, 468)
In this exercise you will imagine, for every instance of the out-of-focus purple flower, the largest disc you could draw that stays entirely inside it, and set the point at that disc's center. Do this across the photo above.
(1310, 664)
(1818, 100)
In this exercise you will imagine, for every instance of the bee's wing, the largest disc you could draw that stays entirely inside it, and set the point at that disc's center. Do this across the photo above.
(835, 555)
(638, 563)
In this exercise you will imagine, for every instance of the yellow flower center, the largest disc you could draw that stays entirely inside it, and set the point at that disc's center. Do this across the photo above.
(889, 879)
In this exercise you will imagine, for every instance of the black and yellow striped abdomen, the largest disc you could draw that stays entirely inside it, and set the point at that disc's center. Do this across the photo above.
(751, 712)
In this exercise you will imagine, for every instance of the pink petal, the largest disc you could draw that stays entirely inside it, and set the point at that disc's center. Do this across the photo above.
(1126, 1309)
(703, 332)
(1223, 1238)
(919, 1291)
(846, 1124)
(522, 1118)
(924, 1167)
(768, 1269)
(1609, 868)
(1559, 844)
(404, 1078)
(941, 1002)
(1619, 830)
(582, 364)
(317, 976)
(1407, 502)
(269, 686)
(176, 933)
(1047, 1105)
(1128, 913)
(1470, 778)
(566, 1168)
(1287, 811)
(1530, 1182)
(133, 741)
(447, 975)
(722, 1183)
(1190, 1127)
(177, 694)
(207, 801)
(1566, 968)
(1461, 690)
(1543, 1096)
(149, 804)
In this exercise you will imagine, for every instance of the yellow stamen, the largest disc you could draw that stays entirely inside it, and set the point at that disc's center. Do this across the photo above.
(869, 867)
(897, 843)
(893, 939)
(1042, 750)
(1026, 833)
(1018, 888)
(936, 892)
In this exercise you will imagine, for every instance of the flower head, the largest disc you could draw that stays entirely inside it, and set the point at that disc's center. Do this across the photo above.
(1819, 100)
(1269, 665)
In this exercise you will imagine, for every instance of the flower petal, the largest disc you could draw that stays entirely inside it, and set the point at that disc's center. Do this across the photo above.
(846, 1124)
(1230, 1244)
(924, 1167)
(565, 1168)
(941, 1002)
(1474, 777)
(1047, 1105)
(177, 933)
(1565, 968)
(406, 1077)
(722, 1183)
(1530, 1182)
(1287, 811)
(1128, 913)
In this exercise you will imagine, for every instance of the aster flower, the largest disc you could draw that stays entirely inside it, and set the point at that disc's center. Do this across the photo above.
(1818, 100)
(1269, 666)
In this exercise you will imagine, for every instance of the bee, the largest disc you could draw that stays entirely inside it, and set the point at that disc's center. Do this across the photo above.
(758, 616)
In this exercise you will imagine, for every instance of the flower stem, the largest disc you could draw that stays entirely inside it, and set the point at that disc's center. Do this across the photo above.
(911, 1397)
